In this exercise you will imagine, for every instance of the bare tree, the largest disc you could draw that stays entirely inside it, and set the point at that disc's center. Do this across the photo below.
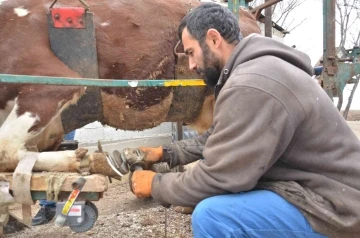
(281, 13)
(348, 21)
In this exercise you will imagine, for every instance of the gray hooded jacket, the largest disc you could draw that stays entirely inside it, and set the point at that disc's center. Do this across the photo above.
(274, 128)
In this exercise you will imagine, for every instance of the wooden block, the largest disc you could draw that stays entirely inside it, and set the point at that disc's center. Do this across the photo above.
(94, 182)
(26, 212)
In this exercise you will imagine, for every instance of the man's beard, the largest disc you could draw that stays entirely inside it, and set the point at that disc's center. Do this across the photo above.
(212, 70)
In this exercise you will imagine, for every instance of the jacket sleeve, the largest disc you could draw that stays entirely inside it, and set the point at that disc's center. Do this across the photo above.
(252, 128)
(185, 151)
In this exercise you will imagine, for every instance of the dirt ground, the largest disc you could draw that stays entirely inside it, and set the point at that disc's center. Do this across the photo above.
(354, 115)
(121, 214)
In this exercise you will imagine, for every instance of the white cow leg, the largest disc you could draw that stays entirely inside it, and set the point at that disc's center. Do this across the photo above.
(13, 134)
(57, 161)
(70, 161)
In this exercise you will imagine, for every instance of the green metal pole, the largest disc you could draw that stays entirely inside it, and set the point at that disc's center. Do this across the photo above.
(244, 3)
(329, 54)
(233, 5)
(26, 79)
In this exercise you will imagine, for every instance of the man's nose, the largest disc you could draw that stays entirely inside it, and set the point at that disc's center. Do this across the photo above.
(192, 64)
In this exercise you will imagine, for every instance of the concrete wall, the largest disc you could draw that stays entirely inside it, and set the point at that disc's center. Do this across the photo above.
(95, 131)
(112, 139)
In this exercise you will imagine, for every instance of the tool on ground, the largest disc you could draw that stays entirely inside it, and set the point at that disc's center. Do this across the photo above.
(80, 216)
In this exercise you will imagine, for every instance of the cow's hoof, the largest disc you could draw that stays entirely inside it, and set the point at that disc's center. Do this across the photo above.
(99, 165)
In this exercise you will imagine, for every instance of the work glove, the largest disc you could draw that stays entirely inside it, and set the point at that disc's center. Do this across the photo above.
(152, 155)
(140, 182)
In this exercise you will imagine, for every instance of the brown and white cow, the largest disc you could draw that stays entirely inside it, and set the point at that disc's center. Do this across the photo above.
(135, 40)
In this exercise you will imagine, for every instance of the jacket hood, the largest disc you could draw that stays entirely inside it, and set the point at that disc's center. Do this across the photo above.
(255, 46)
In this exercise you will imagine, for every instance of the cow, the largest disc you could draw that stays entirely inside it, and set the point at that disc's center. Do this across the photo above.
(134, 40)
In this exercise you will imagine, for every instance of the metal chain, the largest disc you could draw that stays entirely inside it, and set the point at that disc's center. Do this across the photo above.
(82, 2)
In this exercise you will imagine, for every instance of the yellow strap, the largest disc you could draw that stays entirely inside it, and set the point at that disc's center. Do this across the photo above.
(185, 82)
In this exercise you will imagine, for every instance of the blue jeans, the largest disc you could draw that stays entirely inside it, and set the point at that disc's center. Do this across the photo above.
(250, 214)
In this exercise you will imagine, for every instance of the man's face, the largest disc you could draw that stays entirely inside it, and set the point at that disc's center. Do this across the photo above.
(201, 59)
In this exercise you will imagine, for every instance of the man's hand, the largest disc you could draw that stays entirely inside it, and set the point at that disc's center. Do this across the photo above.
(152, 155)
(141, 181)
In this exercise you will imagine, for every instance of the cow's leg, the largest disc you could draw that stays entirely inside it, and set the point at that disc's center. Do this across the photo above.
(67, 161)
(5, 111)
(15, 132)
(13, 135)
(70, 161)
(205, 117)
(35, 112)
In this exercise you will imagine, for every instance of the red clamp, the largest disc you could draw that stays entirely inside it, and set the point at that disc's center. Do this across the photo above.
(68, 17)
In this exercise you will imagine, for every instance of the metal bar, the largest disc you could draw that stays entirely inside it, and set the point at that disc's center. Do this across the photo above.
(268, 21)
(329, 57)
(233, 6)
(88, 196)
(345, 74)
(244, 3)
(25, 79)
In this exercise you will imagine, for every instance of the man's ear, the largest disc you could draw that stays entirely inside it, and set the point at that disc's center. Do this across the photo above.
(213, 38)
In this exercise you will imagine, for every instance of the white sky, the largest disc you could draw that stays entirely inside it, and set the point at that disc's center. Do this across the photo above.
(308, 37)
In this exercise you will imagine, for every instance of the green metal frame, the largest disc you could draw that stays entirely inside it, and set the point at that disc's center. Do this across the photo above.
(345, 73)
(234, 5)
(336, 74)
(25, 79)
(88, 196)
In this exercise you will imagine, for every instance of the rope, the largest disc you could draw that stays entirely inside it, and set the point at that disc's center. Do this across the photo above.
(54, 182)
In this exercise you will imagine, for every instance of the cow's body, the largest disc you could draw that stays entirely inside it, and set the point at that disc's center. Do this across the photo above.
(135, 40)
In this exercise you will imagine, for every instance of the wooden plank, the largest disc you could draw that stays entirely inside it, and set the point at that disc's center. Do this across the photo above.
(26, 212)
(94, 182)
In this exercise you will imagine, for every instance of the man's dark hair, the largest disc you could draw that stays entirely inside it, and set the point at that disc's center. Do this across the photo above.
(211, 15)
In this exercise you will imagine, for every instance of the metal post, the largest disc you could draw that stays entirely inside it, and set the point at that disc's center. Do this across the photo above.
(244, 3)
(329, 54)
(268, 21)
(234, 5)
